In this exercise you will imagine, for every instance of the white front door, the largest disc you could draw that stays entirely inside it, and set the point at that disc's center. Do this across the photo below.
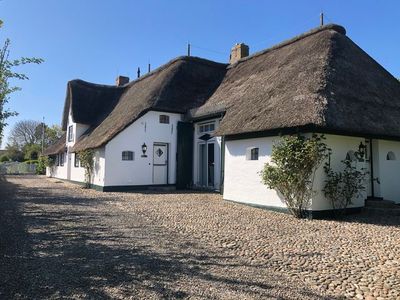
(160, 163)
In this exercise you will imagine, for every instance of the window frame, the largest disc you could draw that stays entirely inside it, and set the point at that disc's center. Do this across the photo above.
(61, 159)
(206, 127)
(163, 119)
(127, 155)
(252, 153)
(77, 161)
(70, 133)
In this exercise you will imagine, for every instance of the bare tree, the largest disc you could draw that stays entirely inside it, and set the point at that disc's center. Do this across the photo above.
(25, 132)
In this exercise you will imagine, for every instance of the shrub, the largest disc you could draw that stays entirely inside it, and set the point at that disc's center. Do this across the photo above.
(43, 162)
(291, 173)
(4, 158)
(342, 187)
(31, 162)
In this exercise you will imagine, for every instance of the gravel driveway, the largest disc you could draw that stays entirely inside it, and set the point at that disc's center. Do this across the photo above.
(58, 240)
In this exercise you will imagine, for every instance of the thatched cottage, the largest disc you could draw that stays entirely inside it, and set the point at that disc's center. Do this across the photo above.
(197, 123)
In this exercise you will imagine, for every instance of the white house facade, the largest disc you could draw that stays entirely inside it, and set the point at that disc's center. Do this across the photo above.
(194, 123)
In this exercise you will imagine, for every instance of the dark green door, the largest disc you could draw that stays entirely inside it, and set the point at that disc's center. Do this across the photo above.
(184, 159)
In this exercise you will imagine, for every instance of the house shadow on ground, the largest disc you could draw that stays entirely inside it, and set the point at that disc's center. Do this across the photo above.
(64, 247)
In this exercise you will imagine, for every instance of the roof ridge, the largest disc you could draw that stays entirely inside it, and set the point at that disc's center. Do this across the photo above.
(174, 60)
(155, 71)
(338, 28)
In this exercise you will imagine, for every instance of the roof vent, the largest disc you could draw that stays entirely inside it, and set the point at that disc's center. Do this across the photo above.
(238, 52)
(121, 80)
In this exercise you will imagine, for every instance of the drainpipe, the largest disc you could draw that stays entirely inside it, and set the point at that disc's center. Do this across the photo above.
(371, 169)
(221, 181)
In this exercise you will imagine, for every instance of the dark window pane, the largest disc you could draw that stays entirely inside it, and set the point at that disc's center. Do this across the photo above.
(164, 119)
(254, 154)
(127, 155)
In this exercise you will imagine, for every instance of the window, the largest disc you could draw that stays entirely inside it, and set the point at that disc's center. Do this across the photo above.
(57, 159)
(127, 155)
(70, 133)
(390, 156)
(252, 153)
(164, 119)
(61, 159)
(77, 161)
(206, 127)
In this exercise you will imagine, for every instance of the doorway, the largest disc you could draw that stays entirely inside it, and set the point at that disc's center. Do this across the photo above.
(207, 164)
(160, 163)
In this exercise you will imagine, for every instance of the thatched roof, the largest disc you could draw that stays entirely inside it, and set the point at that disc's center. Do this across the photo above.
(178, 86)
(320, 80)
(90, 102)
(57, 147)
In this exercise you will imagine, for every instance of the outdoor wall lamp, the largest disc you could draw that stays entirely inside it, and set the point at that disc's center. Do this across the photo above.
(361, 150)
(144, 150)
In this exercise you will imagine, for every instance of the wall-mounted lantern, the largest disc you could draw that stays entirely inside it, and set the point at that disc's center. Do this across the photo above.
(144, 150)
(361, 150)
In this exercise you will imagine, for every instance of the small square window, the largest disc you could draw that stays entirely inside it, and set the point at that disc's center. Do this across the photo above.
(252, 153)
(164, 119)
(127, 155)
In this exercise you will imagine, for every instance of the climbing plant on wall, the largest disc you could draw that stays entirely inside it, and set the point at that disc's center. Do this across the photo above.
(86, 158)
(343, 186)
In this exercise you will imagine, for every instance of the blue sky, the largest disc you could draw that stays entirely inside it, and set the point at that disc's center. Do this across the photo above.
(96, 40)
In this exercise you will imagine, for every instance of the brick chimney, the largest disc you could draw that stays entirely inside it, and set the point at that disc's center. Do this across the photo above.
(237, 52)
(121, 80)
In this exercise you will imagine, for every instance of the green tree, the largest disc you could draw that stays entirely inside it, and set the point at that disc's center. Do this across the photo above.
(32, 151)
(52, 134)
(14, 153)
(7, 73)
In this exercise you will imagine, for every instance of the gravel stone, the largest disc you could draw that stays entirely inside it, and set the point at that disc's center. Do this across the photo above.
(58, 240)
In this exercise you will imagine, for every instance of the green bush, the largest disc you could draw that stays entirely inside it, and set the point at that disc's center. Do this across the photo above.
(31, 162)
(4, 158)
(43, 162)
(294, 160)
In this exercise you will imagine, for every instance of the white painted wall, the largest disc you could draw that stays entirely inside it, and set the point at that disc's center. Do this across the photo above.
(217, 154)
(99, 167)
(149, 130)
(58, 171)
(242, 181)
(340, 145)
(77, 173)
(389, 170)
(69, 171)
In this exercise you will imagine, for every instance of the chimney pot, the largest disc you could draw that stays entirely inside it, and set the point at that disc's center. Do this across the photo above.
(238, 52)
(121, 80)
